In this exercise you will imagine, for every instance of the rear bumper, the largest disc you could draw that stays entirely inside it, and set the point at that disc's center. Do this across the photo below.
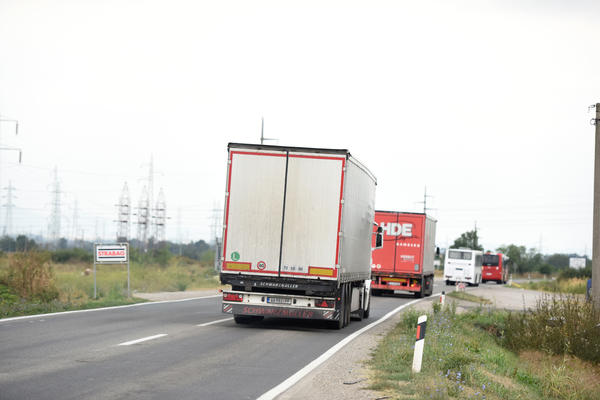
(407, 283)
(280, 312)
(491, 275)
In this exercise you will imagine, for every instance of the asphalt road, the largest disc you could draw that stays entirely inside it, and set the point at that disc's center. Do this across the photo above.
(90, 355)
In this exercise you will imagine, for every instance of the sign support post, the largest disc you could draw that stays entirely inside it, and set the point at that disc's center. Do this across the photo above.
(112, 254)
(95, 296)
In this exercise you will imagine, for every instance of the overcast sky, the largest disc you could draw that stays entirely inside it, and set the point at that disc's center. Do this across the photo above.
(484, 102)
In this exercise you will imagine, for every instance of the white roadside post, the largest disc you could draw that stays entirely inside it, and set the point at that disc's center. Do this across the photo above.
(419, 344)
(443, 297)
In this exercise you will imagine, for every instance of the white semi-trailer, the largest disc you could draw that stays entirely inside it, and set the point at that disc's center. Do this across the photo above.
(297, 234)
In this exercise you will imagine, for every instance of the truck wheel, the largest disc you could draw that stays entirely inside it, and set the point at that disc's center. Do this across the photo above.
(374, 292)
(348, 304)
(339, 324)
(368, 310)
(247, 319)
(429, 285)
(360, 313)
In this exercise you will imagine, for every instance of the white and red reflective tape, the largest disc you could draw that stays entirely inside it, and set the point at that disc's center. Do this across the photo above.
(419, 344)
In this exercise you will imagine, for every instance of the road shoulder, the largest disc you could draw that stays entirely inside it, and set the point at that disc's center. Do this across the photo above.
(346, 374)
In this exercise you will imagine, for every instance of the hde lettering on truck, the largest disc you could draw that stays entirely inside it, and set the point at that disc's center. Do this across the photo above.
(297, 234)
(406, 261)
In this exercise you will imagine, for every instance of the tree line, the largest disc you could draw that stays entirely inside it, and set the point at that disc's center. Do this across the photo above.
(528, 260)
(82, 251)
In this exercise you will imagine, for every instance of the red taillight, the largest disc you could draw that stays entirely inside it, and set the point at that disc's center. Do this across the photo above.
(232, 297)
(324, 303)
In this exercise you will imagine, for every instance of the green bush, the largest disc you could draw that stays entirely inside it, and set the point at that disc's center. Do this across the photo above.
(72, 255)
(559, 325)
(31, 276)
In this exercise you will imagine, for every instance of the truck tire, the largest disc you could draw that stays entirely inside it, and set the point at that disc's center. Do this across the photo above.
(348, 303)
(421, 292)
(429, 285)
(368, 310)
(360, 313)
(247, 319)
(339, 324)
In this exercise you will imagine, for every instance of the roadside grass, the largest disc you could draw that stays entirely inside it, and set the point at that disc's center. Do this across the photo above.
(570, 286)
(469, 297)
(70, 286)
(559, 325)
(11, 305)
(465, 358)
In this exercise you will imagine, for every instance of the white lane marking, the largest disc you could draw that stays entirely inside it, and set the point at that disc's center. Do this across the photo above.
(289, 382)
(108, 308)
(216, 322)
(142, 340)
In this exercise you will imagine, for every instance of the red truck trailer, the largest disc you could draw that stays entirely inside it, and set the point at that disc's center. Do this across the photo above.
(495, 267)
(406, 260)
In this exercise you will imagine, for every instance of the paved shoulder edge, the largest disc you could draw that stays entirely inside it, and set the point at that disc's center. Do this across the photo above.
(106, 308)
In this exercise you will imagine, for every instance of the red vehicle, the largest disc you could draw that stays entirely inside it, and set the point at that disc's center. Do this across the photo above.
(406, 260)
(495, 267)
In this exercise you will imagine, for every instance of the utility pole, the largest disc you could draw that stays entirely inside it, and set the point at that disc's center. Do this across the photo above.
(75, 226)
(424, 202)
(262, 131)
(160, 217)
(54, 226)
(596, 223)
(16, 124)
(8, 227)
(124, 215)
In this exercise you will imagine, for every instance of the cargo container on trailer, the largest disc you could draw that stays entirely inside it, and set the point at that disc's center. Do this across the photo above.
(297, 234)
(406, 260)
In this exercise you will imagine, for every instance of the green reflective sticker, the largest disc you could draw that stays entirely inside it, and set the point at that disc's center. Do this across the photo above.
(235, 256)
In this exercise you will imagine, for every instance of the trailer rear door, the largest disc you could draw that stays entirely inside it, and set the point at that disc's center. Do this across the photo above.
(409, 247)
(310, 242)
(283, 213)
(254, 211)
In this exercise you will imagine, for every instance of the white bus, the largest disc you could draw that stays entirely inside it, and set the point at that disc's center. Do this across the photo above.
(463, 265)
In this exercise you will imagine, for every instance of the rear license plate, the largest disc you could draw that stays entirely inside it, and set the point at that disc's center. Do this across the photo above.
(279, 300)
(488, 273)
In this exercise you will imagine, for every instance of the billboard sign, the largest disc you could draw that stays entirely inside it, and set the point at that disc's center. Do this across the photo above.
(577, 262)
(111, 253)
